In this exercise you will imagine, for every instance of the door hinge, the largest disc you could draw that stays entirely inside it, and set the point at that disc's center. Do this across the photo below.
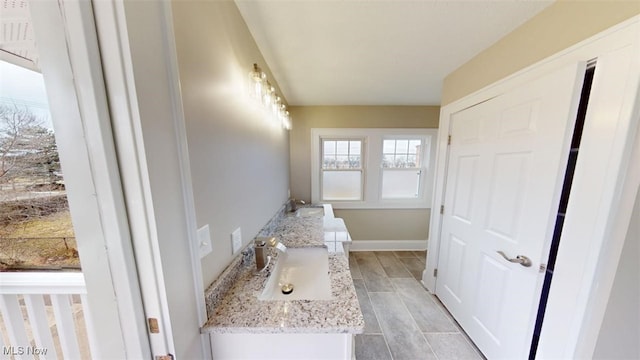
(441, 209)
(164, 357)
(154, 328)
(435, 272)
(449, 140)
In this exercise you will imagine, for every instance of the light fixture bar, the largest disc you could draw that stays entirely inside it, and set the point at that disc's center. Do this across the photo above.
(266, 94)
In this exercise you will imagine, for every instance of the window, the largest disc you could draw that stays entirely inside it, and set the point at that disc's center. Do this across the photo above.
(342, 169)
(372, 168)
(401, 170)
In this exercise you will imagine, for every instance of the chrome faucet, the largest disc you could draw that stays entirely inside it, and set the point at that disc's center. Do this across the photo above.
(261, 243)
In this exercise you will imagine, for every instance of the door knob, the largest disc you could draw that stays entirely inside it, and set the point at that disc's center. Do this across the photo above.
(520, 259)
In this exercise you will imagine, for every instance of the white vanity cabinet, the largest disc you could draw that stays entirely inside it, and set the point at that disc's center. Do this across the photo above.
(282, 346)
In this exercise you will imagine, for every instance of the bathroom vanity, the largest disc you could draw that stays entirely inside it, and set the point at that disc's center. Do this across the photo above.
(248, 322)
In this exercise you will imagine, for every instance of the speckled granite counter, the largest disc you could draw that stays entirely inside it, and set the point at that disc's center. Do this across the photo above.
(233, 305)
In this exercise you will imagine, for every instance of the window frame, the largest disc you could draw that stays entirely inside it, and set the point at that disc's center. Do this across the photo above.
(372, 171)
(423, 168)
(322, 170)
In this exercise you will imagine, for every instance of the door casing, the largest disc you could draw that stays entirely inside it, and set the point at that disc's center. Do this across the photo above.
(135, 214)
(70, 65)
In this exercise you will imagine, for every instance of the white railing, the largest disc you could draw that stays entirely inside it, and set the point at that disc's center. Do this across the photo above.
(43, 316)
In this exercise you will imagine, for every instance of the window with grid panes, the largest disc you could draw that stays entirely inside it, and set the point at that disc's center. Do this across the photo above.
(366, 168)
(401, 168)
(342, 170)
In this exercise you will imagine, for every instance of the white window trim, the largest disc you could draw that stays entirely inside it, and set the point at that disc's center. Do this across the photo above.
(372, 166)
(362, 169)
(424, 166)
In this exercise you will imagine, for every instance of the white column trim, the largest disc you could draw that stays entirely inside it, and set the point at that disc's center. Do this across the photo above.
(70, 63)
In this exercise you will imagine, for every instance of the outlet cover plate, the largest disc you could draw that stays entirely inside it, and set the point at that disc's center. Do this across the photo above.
(236, 241)
(204, 241)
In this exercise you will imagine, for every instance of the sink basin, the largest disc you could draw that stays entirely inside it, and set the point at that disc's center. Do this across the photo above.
(307, 269)
(310, 211)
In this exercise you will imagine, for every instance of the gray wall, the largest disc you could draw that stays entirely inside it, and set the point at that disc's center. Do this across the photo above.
(382, 224)
(620, 331)
(239, 158)
(385, 224)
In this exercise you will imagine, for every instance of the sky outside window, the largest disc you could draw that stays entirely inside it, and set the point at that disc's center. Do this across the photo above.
(24, 87)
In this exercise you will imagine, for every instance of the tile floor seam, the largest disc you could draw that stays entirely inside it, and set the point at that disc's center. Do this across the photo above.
(429, 344)
(415, 323)
(432, 297)
(413, 319)
(387, 344)
(465, 336)
(364, 282)
(379, 264)
(384, 336)
(366, 290)
(375, 313)
(443, 309)
(399, 262)
(406, 308)
(407, 268)
(461, 331)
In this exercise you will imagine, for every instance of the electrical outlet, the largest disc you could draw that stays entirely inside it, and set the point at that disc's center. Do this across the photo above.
(236, 241)
(204, 241)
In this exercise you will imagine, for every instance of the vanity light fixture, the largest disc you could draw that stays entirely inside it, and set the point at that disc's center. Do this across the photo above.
(263, 91)
(259, 80)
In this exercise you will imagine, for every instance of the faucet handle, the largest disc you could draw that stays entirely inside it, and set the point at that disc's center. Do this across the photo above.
(272, 241)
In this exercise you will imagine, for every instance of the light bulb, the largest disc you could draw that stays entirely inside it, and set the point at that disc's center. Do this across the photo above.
(258, 79)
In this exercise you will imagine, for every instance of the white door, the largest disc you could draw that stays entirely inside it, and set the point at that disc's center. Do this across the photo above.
(506, 164)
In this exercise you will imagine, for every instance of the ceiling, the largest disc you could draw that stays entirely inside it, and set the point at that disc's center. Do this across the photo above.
(372, 52)
(16, 34)
(345, 52)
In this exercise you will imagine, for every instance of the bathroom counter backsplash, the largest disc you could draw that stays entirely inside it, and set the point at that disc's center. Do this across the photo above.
(232, 300)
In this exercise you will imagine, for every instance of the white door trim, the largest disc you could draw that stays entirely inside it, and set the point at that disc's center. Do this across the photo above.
(611, 255)
(185, 164)
(185, 172)
(598, 212)
(112, 32)
(602, 263)
(125, 61)
(80, 114)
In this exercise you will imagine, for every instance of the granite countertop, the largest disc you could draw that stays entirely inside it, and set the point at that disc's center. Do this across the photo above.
(238, 310)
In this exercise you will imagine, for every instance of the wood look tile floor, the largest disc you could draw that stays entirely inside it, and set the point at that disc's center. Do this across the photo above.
(402, 320)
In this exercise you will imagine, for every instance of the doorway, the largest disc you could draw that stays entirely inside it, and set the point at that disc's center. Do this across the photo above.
(505, 159)
(575, 303)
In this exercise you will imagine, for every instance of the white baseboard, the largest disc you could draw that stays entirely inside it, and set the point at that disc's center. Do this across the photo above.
(388, 245)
